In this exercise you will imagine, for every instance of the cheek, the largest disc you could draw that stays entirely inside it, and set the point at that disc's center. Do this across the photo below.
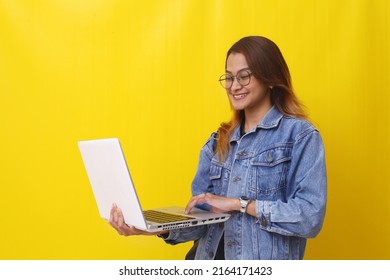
(259, 90)
(258, 87)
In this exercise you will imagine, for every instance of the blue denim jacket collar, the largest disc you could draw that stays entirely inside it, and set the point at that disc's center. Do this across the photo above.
(270, 120)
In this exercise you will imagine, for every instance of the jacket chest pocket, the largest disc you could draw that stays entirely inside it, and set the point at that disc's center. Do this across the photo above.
(217, 175)
(269, 171)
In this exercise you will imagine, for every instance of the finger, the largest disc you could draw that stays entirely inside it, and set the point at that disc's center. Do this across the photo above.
(114, 217)
(115, 226)
(112, 212)
(190, 205)
(121, 219)
(124, 228)
(194, 201)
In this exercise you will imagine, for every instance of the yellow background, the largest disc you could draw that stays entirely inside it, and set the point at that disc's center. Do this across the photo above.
(147, 72)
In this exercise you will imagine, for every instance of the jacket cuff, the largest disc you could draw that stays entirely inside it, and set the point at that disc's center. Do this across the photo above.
(263, 213)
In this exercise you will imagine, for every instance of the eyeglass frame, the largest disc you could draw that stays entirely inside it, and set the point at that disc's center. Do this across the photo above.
(221, 80)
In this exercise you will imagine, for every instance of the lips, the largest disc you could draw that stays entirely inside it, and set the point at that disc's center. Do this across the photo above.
(239, 96)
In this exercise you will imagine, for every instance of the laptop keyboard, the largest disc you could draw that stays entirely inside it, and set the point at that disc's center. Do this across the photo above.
(162, 217)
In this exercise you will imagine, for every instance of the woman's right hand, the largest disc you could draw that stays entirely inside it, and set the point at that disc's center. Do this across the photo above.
(118, 222)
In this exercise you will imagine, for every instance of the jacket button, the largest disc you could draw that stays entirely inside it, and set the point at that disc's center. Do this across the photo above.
(236, 179)
(264, 222)
(211, 255)
(231, 243)
(242, 154)
(270, 158)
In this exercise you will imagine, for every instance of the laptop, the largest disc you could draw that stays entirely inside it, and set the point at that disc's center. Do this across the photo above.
(111, 182)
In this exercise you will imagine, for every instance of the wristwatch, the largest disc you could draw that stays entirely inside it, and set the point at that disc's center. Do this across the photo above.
(244, 201)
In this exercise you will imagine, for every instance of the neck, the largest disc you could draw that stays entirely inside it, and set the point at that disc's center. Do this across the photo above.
(254, 117)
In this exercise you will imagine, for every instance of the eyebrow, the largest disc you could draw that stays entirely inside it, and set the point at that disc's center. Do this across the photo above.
(246, 68)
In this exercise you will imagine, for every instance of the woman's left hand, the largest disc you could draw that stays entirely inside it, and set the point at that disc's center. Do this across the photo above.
(218, 203)
(117, 221)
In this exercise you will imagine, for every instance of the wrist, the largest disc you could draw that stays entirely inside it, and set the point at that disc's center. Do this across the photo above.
(237, 204)
(244, 202)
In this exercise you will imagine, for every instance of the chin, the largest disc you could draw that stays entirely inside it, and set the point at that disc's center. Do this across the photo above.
(238, 107)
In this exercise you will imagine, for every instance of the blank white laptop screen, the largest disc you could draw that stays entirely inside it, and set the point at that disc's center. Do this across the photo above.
(111, 182)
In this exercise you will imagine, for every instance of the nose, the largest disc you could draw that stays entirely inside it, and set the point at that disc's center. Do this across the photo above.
(235, 85)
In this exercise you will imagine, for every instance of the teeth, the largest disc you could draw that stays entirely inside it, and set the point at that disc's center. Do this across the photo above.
(239, 96)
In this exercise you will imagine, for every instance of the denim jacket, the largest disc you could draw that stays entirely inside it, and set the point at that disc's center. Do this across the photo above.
(281, 165)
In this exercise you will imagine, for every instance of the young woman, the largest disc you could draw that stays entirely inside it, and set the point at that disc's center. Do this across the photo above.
(266, 166)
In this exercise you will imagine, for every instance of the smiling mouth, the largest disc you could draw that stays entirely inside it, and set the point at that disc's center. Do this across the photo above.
(239, 96)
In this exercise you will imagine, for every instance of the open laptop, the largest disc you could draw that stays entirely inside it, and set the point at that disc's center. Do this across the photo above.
(111, 183)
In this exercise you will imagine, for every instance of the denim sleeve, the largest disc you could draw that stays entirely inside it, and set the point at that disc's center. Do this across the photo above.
(182, 235)
(303, 212)
(202, 183)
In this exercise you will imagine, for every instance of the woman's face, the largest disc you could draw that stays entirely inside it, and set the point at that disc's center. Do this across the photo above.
(253, 96)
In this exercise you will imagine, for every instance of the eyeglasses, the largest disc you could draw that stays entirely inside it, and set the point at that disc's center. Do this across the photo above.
(243, 77)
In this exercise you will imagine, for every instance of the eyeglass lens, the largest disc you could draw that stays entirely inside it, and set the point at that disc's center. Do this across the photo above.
(243, 78)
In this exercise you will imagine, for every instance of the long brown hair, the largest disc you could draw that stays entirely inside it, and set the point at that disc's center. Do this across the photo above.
(267, 64)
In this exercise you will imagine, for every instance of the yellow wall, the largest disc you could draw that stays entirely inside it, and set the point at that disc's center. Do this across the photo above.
(146, 72)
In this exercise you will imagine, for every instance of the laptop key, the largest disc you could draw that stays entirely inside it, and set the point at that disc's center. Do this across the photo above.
(162, 217)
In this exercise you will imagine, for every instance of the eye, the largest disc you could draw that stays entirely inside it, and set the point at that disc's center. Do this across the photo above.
(244, 77)
(228, 78)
